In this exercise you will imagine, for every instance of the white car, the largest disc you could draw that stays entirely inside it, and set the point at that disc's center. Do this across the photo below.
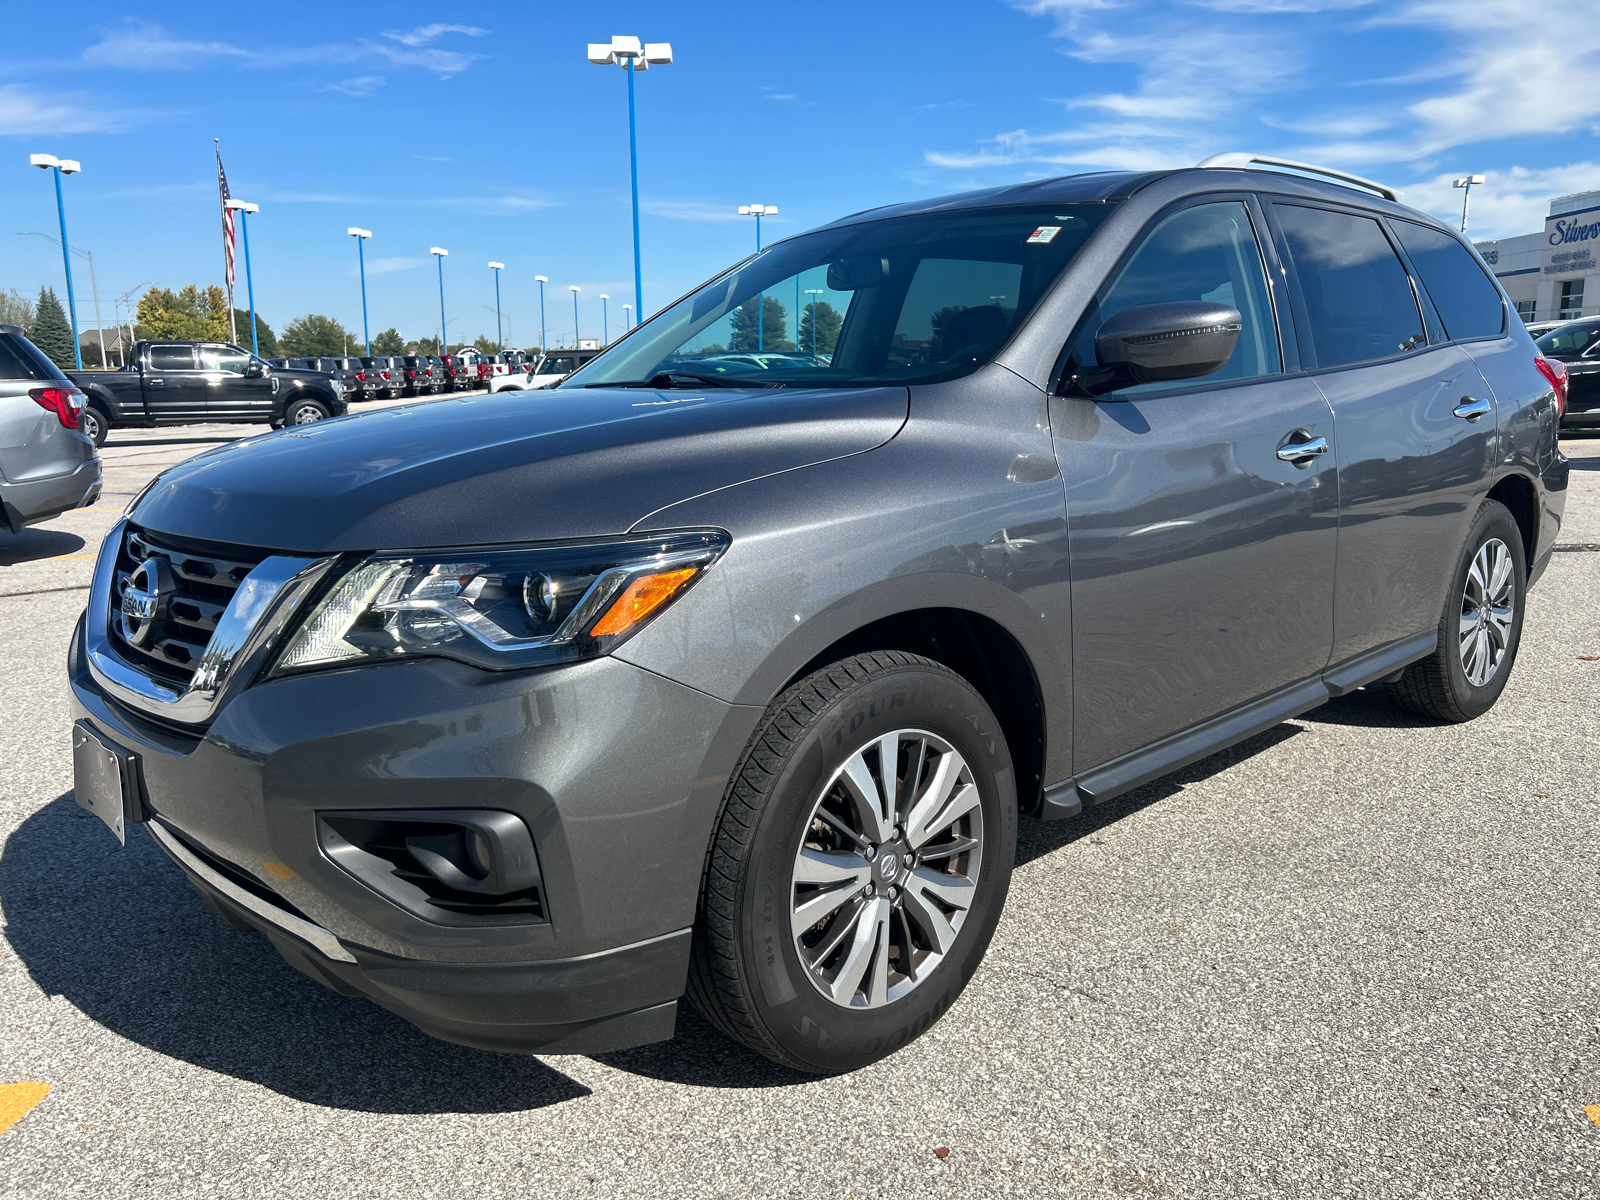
(549, 370)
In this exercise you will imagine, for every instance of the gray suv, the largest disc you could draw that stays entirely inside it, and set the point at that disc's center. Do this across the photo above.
(728, 667)
(47, 463)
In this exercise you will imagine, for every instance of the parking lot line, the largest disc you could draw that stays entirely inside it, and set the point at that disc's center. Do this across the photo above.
(17, 1100)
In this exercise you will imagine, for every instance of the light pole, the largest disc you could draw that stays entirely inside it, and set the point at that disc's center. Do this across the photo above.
(361, 235)
(541, 280)
(94, 288)
(244, 210)
(1465, 184)
(627, 317)
(631, 56)
(575, 289)
(758, 211)
(813, 292)
(63, 166)
(439, 254)
(605, 320)
(499, 337)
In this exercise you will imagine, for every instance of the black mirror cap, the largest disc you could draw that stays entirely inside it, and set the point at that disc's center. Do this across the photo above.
(1169, 340)
(255, 370)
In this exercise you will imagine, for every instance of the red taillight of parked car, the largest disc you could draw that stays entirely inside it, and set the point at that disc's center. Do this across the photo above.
(385, 376)
(1555, 371)
(66, 403)
(362, 376)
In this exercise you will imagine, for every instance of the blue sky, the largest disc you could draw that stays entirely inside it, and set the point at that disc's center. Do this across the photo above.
(483, 129)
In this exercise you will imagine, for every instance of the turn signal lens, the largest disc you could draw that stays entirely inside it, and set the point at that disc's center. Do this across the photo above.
(1555, 371)
(642, 597)
(66, 403)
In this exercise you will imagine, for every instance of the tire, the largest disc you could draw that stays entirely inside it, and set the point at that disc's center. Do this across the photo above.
(305, 412)
(746, 972)
(1478, 636)
(95, 424)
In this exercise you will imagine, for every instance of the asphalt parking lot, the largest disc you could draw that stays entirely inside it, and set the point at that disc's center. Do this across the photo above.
(1354, 957)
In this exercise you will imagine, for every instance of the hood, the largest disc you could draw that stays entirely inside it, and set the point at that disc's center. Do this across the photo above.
(508, 467)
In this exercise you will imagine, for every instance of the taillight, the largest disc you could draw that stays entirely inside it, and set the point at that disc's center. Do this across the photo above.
(361, 375)
(1555, 371)
(66, 403)
(386, 375)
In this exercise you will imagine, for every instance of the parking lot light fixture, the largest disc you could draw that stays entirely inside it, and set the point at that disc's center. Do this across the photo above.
(757, 211)
(574, 289)
(64, 166)
(605, 319)
(361, 235)
(627, 317)
(632, 56)
(244, 210)
(541, 280)
(439, 253)
(1465, 184)
(813, 292)
(499, 335)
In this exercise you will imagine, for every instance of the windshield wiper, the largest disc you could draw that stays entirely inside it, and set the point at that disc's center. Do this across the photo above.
(667, 380)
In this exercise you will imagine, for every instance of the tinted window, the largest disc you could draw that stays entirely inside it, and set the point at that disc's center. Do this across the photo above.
(171, 358)
(1569, 341)
(21, 359)
(1468, 300)
(1208, 252)
(1358, 296)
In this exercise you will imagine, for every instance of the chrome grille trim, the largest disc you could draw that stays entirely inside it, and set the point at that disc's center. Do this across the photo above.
(244, 634)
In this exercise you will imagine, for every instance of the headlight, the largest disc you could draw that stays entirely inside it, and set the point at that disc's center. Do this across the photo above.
(499, 608)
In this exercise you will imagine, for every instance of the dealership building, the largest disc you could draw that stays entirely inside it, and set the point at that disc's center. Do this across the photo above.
(1551, 275)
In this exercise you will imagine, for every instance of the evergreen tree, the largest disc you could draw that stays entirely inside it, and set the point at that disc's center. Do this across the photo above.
(827, 321)
(51, 333)
(265, 338)
(314, 336)
(774, 323)
(486, 344)
(389, 342)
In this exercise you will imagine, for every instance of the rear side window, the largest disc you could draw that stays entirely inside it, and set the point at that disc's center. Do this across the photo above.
(1468, 301)
(1357, 295)
(1569, 340)
(21, 359)
(171, 358)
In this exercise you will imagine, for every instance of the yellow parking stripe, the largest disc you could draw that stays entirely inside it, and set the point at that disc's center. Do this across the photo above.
(18, 1099)
(1592, 1111)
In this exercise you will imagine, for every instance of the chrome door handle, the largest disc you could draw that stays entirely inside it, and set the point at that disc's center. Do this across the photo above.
(156, 382)
(1470, 409)
(1294, 451)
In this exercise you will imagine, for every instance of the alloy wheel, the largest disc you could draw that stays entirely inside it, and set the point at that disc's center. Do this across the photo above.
(887, 869)
(307, 414)
(1488, 609)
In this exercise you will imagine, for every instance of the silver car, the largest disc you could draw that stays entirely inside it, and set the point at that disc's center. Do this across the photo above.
(47, 464)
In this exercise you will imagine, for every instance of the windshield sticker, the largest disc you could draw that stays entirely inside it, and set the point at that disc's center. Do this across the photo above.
(1044, 233)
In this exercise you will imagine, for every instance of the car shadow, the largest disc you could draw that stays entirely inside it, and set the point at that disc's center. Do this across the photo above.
(34, 543)
(134, 443)
(119, 934)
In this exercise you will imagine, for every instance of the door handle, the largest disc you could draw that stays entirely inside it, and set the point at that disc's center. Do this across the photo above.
(1470, 409)
(156, 382)
(1295, 452)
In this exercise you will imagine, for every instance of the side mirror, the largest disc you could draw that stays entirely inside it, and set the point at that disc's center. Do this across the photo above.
(256, 369)
(1171, 340)
(854, 274)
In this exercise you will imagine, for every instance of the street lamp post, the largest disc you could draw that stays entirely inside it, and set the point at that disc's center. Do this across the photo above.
(631, 56)
(94, 288)
(605, 320)
(439, 254)
(499, 336)
(575, 289)
(361, 235)
(244, 210)
(541, 280)
(63, 166)
(1465, 184)
(627, 317)
(758, 211)
(813, 292)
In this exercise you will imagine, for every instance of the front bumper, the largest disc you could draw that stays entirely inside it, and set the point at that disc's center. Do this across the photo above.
(24, 504)
(617, 772)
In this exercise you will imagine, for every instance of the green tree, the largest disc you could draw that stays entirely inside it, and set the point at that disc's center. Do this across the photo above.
(827, 321)
(427, 345)
(486, 344)
(50, 331)
(192, 314)
(774, 318)
(389, 342)
(264, 335)
(16, 309)
(313, 336)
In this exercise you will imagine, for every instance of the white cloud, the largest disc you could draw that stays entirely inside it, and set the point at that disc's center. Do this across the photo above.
(25, 111)
(387, 266)
(423, 34)
(691, 210)
(361, 85)
(142, 47)
(1507, 203)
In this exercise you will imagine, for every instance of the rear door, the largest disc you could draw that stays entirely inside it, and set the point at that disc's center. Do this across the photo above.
(1415, 423)
(174, 388)
(1202, 562)
(33, 445)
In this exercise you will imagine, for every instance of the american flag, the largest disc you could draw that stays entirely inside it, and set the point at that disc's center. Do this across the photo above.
(227, 219)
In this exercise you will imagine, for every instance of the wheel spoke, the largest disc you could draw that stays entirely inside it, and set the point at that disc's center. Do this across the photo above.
(835, 937)
(940, 853)
(952, 889)
(1499, 574)
(944, 799)
(1476, 584)
(821, 868)
(863, 789)
(869, 923)
(1500, 624)
(814, 910)
(929, 918)
(1469, 624)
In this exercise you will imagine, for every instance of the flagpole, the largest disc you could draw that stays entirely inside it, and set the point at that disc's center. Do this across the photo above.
(227, 273)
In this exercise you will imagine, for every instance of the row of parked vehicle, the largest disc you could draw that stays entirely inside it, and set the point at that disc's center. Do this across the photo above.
(386, 376)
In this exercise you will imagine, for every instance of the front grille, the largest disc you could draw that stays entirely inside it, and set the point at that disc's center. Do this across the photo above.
(206, 577)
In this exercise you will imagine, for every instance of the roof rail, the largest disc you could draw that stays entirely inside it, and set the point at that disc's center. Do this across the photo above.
(1241, 158)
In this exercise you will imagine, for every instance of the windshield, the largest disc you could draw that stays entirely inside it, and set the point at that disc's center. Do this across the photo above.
(900, 300)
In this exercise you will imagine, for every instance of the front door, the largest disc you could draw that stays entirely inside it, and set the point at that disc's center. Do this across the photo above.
(232, 394)
(174, 389)
(1202, 558)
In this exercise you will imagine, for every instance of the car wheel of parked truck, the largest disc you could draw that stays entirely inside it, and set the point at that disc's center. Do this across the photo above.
(859, 866)
(95, 425)
(304, 412)
(1480, 628)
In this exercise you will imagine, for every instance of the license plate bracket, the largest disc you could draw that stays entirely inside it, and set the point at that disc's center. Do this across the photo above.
(106, 780)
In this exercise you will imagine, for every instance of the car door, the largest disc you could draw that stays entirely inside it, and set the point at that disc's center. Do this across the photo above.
(232, 394)
(174, 388)
(1202, 549)
(1414, 419)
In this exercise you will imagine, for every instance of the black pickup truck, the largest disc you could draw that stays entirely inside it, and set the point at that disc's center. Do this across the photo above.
(189, 383)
